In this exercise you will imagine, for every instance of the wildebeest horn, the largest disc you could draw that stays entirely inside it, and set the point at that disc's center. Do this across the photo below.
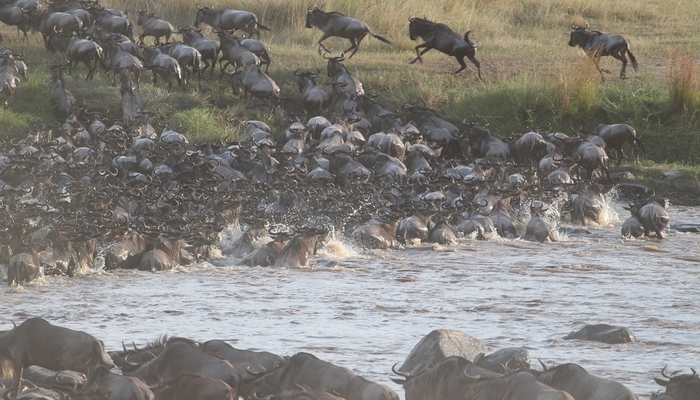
(694, 372)
(397, 372)
(575, 27)
(199, 7)
(544, 367)
(663, 371)
(587, 26)
(476, 377)
(124, 347)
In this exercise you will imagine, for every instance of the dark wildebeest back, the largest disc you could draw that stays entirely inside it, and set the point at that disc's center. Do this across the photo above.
(446, 380)
(441, 38)
(183, 357)
(37, 342)
(575, 380)
(597, 44)
(519, 386)
(196, 387)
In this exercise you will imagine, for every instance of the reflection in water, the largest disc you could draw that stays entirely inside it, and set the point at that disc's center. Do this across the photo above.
(366, 310)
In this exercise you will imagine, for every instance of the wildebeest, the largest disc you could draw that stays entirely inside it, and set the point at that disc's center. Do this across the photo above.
(233, 53)
(597, 44)
(131, 102)
(307, 242)
(24, 267)
(63, 103)
(189, 58)
(342, 78)
(258, 48)
(650, 214)
(37, 342)
(153, 26)
(432, 126)
(681, 387)
(441, 38)
(225, 19)
(252, 80)
(518, 386)
(305, 369)
(182, 357)
(102, 382)
(314, 98)
(589, 204)
(208, 48)
(538, 227)
(582, 385)
(86, 51)
(49, 23)
(162, 65)
(337, 24)
(114, 23)
(616, 135)
(9, 77)
(448, 379)
(12, 15)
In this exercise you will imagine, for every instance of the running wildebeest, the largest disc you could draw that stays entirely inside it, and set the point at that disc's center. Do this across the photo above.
(596, 44)
(225, 19)
(441, 38)
(337, 24)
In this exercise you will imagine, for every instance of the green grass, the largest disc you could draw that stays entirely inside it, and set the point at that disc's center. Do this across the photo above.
(530, 76)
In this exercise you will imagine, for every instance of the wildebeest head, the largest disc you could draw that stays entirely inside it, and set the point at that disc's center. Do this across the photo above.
(577, 35)
(681, 387)
(312, 16)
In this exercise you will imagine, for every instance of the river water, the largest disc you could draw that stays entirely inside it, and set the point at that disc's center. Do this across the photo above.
(365, 310)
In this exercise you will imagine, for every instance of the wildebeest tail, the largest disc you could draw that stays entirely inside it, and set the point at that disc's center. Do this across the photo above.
(380, 38)
(105, 359)
(466, 39)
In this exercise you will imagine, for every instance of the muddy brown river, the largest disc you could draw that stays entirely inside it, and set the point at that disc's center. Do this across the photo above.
(365, 310)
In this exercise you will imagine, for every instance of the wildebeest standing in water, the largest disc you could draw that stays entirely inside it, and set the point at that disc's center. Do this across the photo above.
(37, 342)
(441, 38)
(597, 44)
(337, 24)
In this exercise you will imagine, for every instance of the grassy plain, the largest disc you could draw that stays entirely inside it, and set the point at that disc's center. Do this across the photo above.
(530, 76)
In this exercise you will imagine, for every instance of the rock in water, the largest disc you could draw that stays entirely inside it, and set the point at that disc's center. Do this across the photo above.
(603, 333)
(439, 344)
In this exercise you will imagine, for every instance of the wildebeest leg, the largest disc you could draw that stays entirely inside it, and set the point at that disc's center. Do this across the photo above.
(596, 61)
(476, 63)
(355, 44)
(320, 45)
(620, 156)
(621, 57)
(419, 54)
(460, 60)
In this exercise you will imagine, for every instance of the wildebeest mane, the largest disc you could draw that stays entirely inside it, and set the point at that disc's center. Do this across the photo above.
(423, 27)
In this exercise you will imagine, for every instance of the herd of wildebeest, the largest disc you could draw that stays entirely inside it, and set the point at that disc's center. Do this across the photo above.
(113, 188)
(53, 362)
